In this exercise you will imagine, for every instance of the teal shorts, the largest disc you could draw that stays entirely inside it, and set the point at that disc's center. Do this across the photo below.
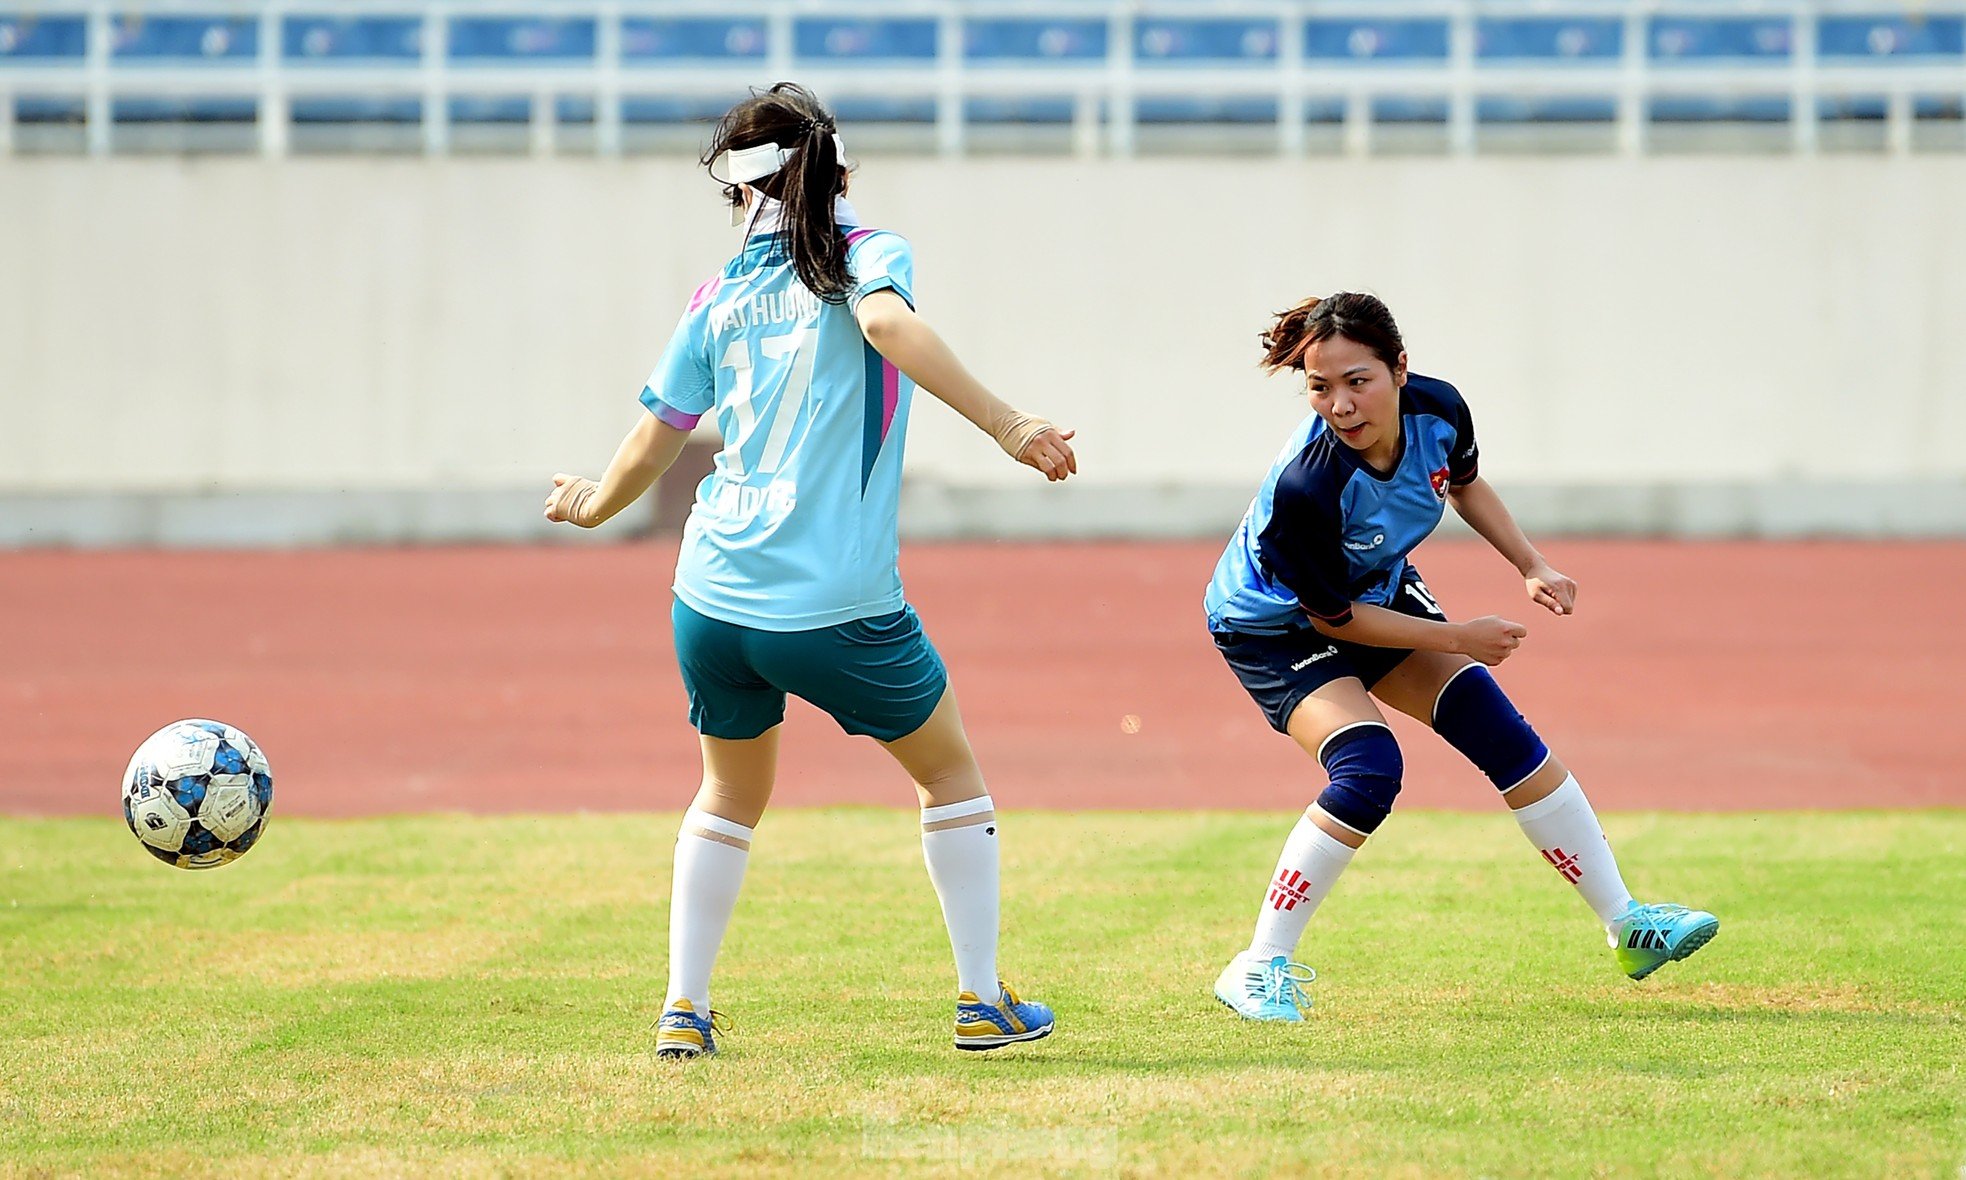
(879, 677)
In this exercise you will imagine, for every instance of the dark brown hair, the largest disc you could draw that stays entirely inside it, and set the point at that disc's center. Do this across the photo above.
(790, 116)
(1361, 318)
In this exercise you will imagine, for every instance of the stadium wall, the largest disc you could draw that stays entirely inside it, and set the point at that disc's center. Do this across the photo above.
(223, 350)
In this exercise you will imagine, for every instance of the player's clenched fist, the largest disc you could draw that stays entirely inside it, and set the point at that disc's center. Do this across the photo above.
(567, 502)
(1491, 638)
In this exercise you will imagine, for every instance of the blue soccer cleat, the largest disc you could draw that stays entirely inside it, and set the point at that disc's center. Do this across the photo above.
(1647, 937)
(683, 1034)
(992, 1026)
(1256, 988)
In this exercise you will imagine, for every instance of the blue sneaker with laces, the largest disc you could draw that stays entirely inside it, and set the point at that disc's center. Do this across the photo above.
(1256, 988)
(682, 1034)
(1006, 1022)
(1647, 937)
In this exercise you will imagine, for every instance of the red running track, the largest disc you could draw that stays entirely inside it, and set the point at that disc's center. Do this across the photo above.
(1696, 676)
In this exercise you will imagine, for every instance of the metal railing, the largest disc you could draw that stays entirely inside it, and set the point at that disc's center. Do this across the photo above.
(1104, 93)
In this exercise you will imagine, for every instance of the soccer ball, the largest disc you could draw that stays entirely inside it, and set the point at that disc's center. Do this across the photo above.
(197, 794)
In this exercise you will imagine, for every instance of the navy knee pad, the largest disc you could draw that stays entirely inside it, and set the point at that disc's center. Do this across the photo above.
(1365, 767)
(1476, 718)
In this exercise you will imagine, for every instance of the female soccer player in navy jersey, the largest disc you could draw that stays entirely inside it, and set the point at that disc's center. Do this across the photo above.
(807, 348)
(1317, 610)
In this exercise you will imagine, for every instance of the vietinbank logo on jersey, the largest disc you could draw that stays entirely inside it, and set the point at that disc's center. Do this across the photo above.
(742, 502)
(1377, 540)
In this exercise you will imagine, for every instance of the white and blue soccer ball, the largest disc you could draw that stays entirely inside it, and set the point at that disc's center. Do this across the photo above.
(197, 794)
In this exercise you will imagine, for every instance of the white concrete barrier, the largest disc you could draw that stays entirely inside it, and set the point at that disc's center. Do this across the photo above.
(358, 347)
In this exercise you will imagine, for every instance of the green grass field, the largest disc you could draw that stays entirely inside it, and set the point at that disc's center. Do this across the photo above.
(477, 996)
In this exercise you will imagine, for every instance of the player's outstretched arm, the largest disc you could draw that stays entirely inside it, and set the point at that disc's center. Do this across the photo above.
(647, 451)
(903, 337)
(1489, 639)
(1481, 506)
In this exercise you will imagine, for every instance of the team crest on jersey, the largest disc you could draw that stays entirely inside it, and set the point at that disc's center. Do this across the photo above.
(1439, 480)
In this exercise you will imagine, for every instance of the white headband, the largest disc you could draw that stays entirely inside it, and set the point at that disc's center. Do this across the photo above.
(755, 163)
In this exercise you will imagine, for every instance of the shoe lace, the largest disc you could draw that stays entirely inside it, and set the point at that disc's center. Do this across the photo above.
(716, 1022)
(1285, 983)
(1657, 916)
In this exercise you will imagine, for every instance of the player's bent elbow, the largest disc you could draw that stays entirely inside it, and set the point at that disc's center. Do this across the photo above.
(881, 318)
(880, 330)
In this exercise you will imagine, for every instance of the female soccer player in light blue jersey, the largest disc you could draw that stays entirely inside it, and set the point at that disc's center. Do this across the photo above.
(806, 348)
(1317, 610)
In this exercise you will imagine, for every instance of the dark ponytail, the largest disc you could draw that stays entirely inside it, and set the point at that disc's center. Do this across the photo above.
(813, 175)
(1361, 318)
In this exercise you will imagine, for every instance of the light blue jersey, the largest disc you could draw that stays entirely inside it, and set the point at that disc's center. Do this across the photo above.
(796, 527)
(1326, 531)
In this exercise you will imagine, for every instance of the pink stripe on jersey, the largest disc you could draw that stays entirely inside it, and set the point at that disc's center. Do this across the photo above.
(854, 236)
(890, 395)
(705, 293)
(671, 416)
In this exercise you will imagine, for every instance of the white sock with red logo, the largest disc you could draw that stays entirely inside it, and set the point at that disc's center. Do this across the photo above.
(1308, 868)
(1565, 830)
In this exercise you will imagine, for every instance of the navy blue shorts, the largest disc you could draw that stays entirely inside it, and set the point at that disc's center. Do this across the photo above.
(879, 677)
(1279, 671)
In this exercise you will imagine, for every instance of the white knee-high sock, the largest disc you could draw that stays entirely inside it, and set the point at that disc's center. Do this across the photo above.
(1308, 868)
(1565, 830)
(959, 842)
(710, 856)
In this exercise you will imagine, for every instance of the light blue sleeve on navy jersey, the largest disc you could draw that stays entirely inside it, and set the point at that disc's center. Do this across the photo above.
(879, 260)
(682, 387)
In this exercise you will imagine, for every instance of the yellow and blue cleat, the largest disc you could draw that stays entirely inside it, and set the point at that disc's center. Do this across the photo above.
(683, 1034)
(991, 1026)
(1256, 988)
(1647, 937)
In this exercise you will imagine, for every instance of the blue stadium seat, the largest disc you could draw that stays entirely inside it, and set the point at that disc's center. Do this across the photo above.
(521, 40)
(864, 42)
(1892, 37)
(1669, 108)
(184, 110)
(658, 39)
(1055, 110)
(489, 108)
(1873, 107)
(356, 110)
(1212, 42)
(670, 109)
(1724, 40)
(39, 108)
(1175, 109)
(515, 109)
(387, 40)
(1564, 109)
(1378, 42)
(1853, 108)
(509, 109)
(1024, 42)
(27, 39)
(1585, 40)
(882, 110)
(186, 40)
(1409, 110)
